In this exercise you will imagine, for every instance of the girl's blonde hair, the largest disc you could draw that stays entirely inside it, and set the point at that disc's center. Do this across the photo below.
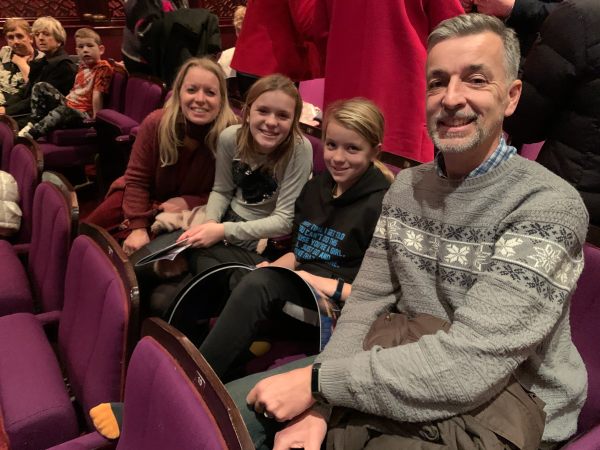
(363, 117)
(171, 129)
(52, 26)
(278, 159)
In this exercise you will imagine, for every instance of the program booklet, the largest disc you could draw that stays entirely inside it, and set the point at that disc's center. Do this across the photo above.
(169, 252)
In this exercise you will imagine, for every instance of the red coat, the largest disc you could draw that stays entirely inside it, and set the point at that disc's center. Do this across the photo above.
(377, 49)
(274, 39)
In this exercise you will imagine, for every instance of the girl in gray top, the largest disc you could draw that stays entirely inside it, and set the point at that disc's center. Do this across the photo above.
(261, 168)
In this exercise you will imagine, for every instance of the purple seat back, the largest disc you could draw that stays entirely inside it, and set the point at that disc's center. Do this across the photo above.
(24, 168)
(142, 96)
(173, 399)
(585, 318)
(311, 91)
(7, 140)
(115, 99)
(94, 324)
(531, 151)
(317, 146)
(50, 243)
(163, 409)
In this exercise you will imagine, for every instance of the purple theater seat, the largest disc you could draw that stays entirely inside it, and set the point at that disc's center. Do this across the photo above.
(173, 400)
(25, 166)
(311, 91)
(74, 147)
(47, 261)
(7, 140)
(15, 295)
(92, 344)
(142, 96)
(585, 317)
(317, 147)
(531, 151)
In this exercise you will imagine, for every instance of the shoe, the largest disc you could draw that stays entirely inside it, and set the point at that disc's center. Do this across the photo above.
(24, 132)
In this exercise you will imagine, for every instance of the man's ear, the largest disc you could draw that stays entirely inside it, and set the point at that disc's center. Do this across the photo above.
(514, 94)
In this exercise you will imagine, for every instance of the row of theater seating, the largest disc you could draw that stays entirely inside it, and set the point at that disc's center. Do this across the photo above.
(66, 339)
(37, 305)
(89, 307)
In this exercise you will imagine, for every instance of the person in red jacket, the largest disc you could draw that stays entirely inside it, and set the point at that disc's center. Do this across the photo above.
(377, 49)
(275, 38)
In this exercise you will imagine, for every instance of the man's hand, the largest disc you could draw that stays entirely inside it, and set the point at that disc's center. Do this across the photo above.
(136, 240)
(283, 396)
(498, 8)
(306, 431)
(204, 235)
(175, 204)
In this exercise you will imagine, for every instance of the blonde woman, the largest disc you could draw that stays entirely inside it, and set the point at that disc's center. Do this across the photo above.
(172, 164)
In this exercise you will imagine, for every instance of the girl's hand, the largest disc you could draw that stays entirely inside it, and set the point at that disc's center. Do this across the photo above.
(204, 235)
(263, 264)
(136, 240)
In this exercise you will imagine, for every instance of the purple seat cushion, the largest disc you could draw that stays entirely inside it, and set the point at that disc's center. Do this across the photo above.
(134, 131)
(15, 295)
(67, 155)
(50, 243)
(72, 136)
(118, 120)
(93, 325)
(585, 318)
(163, 410)
(34, 401)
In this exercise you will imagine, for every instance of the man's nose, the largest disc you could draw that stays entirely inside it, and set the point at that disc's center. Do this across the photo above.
(454, 96)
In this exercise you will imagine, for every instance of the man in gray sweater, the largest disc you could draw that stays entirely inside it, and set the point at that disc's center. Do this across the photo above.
(480, 237)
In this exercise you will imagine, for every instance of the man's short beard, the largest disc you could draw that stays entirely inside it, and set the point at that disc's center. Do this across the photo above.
(481, 134)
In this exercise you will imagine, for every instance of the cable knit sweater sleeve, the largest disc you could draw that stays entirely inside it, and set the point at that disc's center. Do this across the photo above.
(503, 276)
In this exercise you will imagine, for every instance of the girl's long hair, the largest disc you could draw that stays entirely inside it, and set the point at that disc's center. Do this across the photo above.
(278, 159)
(363, 117)
(171, 129)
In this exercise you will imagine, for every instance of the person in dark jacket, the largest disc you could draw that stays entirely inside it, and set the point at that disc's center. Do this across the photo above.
(334, 220)
(56, 68)
(524, 16)
(561, 99)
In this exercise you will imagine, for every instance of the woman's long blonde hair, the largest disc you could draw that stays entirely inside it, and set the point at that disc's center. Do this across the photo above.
(171, 129)
(278, 159)
(363, 117)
